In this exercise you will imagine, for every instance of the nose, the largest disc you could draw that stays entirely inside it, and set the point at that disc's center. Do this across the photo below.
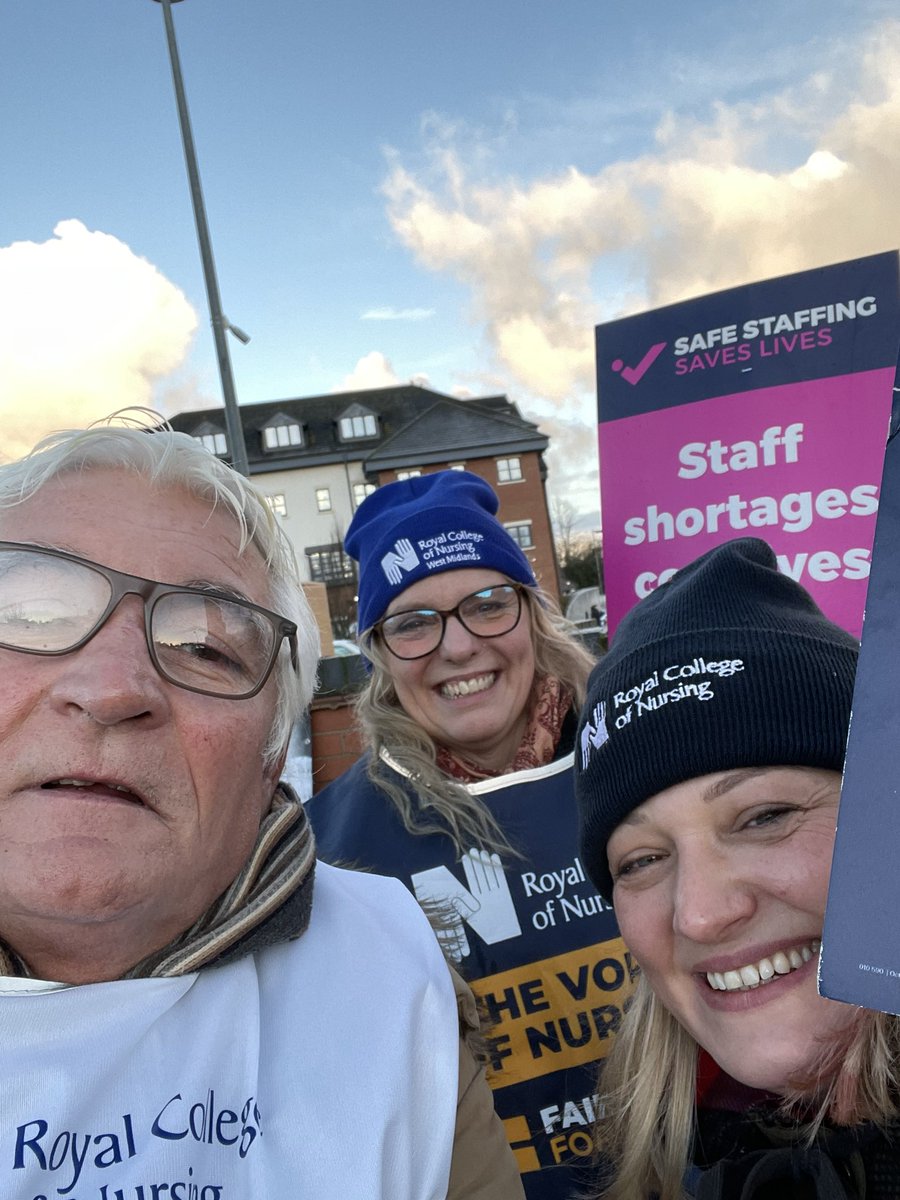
(712, 900)
(457, 643)
(112, 679)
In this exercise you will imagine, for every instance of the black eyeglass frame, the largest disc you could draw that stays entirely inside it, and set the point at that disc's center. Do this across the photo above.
(151, 591)
(376, 629)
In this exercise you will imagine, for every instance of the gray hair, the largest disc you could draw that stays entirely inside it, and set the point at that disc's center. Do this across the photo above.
(149, 447)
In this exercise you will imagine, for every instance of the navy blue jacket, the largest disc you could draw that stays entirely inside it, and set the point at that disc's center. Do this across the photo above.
(539, 947)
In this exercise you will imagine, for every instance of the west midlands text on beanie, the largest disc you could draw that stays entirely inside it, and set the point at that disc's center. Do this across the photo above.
(414, 528)
(730, 664)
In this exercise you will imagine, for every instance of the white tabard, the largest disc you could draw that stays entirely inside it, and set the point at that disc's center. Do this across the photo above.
(322, 1068)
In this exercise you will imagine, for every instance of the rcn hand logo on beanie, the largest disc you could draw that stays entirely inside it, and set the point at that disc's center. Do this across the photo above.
(402, 558)
(594, 734)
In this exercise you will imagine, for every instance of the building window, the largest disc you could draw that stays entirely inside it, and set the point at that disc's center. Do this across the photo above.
(360, 491)
(509, 470)
(362, 426)
(212, 436)
(413, 474)
(216, 443)
(520, 532)
(323, 499)
(282, 434)
(457, 466)
(277, 505)
(329, 564)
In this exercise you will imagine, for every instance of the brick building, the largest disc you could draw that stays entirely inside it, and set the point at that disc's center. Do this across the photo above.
(316, 458)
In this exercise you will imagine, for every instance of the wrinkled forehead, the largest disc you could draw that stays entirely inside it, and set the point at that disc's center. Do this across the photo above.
(159, 531)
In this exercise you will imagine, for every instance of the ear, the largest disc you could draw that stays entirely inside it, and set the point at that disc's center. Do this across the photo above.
(272, 772)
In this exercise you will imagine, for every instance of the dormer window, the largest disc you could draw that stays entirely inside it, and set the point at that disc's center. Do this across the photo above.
(281, 433)
(212, 437)
(356, 423)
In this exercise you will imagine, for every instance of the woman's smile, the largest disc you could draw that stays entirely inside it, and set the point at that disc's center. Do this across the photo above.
(720, 895)
(453, 689)
(764, 970)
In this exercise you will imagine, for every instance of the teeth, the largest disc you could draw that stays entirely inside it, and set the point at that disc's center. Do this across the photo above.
(755, 974)
(750, 976)
(84, 783)
(467, 687)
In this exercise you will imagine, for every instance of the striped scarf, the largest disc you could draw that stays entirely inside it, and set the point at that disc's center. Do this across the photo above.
(269, 901)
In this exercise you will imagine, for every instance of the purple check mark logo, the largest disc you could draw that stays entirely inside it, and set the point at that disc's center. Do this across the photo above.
(634, 375)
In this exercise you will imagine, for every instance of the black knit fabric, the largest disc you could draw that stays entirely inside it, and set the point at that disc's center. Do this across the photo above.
(755, 1156)
(730, 664)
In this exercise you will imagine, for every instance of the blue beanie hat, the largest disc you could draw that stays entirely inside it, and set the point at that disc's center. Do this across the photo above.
(418, 527)
(730, 664)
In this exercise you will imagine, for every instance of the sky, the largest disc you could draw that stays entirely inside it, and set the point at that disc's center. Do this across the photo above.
(454, 195)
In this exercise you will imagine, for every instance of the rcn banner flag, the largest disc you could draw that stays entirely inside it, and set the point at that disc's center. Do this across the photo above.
(762, 411)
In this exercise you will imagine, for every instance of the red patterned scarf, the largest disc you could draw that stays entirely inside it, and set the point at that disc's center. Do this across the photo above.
(550, 704)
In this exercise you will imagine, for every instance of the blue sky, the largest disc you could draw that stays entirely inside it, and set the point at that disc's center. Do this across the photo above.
(402, 191)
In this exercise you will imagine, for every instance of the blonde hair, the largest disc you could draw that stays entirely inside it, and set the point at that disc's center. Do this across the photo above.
(438, 803)
(146, 445)
(649, 1084)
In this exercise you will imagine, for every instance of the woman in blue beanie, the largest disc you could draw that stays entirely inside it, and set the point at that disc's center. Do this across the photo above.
(712, 742)
(465, 795)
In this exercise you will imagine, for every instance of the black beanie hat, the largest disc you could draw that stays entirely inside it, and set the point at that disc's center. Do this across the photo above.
(730, 664)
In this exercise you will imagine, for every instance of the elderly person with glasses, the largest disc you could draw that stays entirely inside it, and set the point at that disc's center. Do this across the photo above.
(181, 1016)
(464, 795)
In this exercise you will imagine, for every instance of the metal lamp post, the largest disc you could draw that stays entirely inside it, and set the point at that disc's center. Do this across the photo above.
(220, 325)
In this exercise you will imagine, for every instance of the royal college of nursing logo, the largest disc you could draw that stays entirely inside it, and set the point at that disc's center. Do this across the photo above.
(595, 734)
(484, 902)
(402, 558)
(679, 682)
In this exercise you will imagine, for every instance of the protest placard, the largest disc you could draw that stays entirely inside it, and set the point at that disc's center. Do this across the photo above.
(763, 411)
(860, 959)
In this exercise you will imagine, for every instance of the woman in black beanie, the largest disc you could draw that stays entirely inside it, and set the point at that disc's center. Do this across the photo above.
(708, 777)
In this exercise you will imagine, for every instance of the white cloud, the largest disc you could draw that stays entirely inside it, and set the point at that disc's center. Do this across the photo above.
(397, 314)
(372, 371)
(86, 328)
(792, 180)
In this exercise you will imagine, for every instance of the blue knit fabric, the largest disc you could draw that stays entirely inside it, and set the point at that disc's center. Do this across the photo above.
(415, 528)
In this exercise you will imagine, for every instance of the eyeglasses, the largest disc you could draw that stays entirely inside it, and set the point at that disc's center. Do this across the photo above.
(201, 639)
(487, 614)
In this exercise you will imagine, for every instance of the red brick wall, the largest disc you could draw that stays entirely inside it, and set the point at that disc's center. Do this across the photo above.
(335, 742)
